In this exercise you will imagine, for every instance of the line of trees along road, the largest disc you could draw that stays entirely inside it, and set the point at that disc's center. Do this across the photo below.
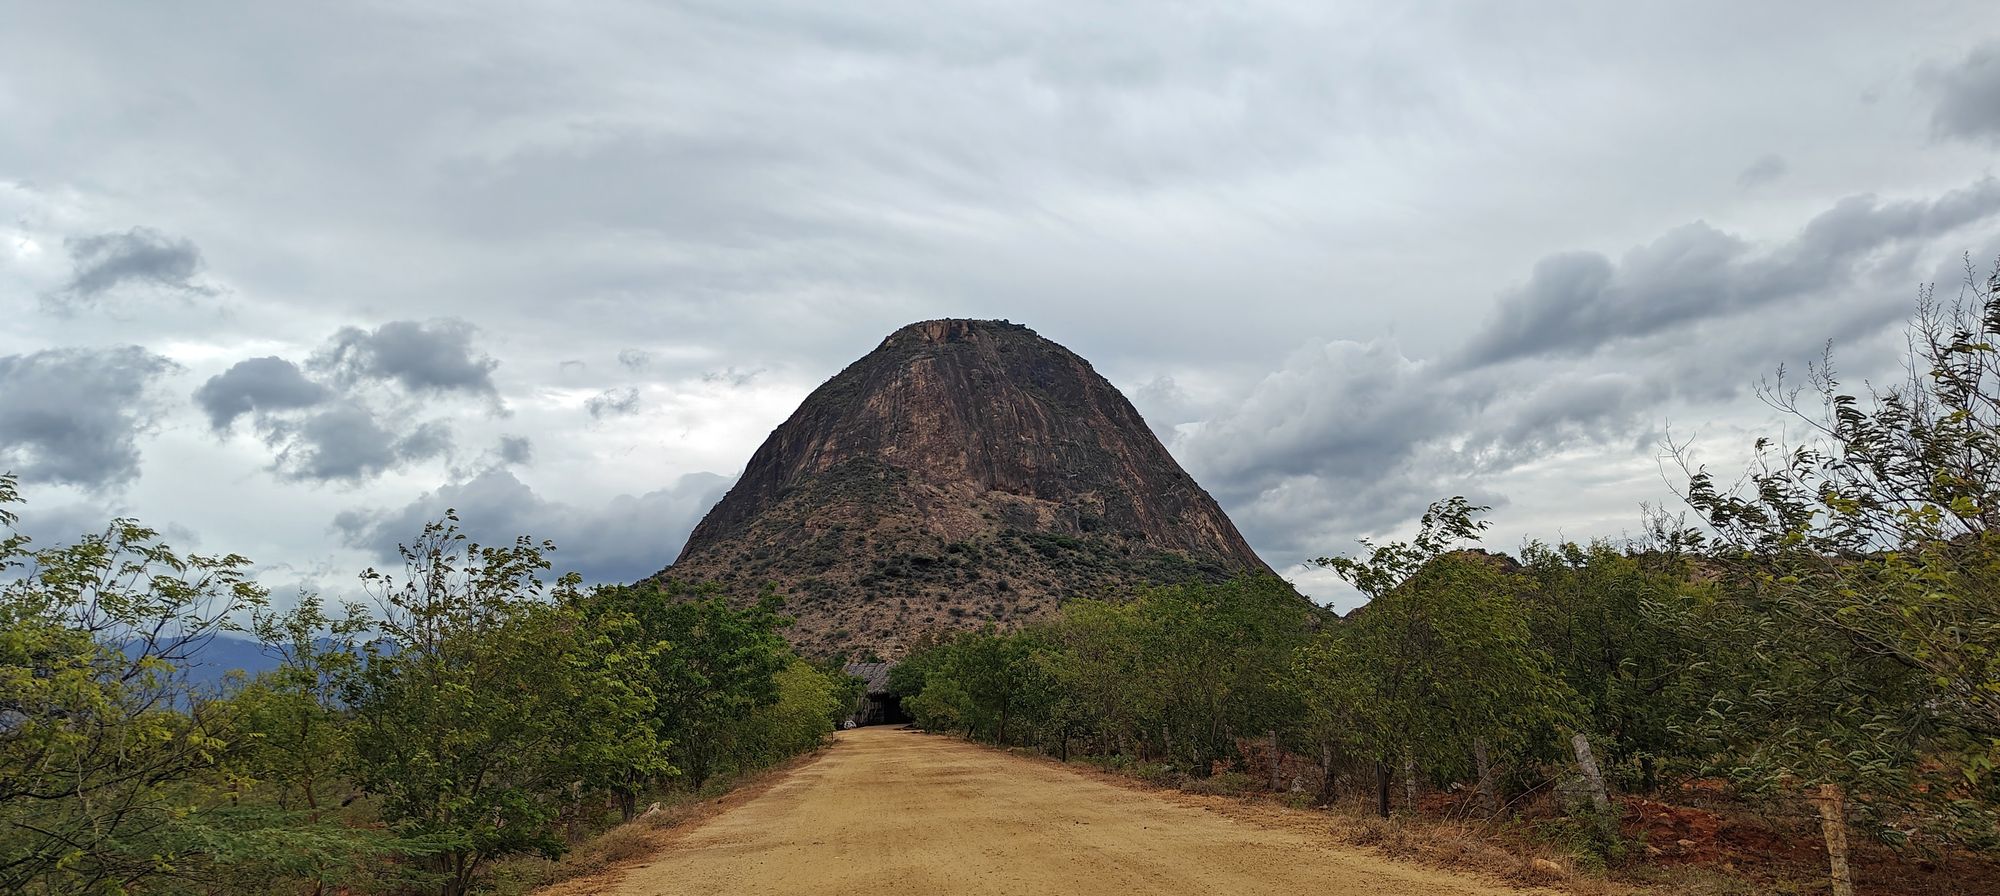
(1828, 634)
(479, 711)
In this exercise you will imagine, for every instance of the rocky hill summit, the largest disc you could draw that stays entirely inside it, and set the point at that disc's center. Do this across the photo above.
(965, 471)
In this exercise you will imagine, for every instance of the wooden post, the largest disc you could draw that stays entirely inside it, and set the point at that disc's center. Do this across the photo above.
(1326, 773)
(1410, 780)
(1599, 797)
(1382, 788)
(1833, 824)
(1488, 795)
(1277, 764)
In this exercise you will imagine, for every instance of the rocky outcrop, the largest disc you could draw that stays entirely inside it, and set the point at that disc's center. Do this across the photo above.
(964, 471)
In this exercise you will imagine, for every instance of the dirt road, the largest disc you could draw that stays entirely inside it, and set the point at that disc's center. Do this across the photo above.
(895, 812)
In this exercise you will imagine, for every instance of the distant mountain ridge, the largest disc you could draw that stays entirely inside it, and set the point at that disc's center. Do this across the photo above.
(964, 471)
(208, 663)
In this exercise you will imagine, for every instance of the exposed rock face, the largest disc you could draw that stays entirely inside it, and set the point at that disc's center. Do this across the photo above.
(964, 471)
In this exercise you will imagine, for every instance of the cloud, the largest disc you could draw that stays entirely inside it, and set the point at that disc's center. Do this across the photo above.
(72, 416)
(66, 523)
(349, 442)
(635, 359)
(1968, 95)
(1353, 437)
(327, 422)
(1349, 438)
(258, 384)
(1576, 303)
(1336, 420)
(1766, 169)
(628, 538)
(101, 263)
(732, 377)
(430, 357)
(515, 450)
(613, 403)
(777, 185)
(1343, 409)
(1164, 405)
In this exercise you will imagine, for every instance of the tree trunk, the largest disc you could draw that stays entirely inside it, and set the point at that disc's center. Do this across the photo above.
(1600, 798)
(1833, 824)
(1488, 794)
(575, 826)
(1382, 789)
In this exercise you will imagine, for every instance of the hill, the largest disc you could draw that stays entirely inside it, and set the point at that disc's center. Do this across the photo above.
(964, 471)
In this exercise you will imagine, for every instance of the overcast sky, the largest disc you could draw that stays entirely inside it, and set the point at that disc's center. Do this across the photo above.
(285, 279)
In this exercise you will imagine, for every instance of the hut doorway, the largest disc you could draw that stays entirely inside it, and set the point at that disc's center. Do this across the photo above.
(877, 706)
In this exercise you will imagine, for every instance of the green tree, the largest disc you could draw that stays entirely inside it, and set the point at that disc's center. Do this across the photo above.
(710, 665)
(809, 703)
(1441, 655)
(294, 736)
(1213, 661)
(490, 703)
(1095, 661)
(1860, 599)
(1589, 608)
(105, 743)
(1344, 717)
(976, 681)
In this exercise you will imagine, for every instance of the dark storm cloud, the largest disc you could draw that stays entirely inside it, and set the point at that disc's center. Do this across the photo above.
(350, 443)
(628, 538)
(101, 263)
(72, 416)
(433, 356)
(1968, 95)
(258, 384)
(1763, 171)
(613, 403)
(1576, 303)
